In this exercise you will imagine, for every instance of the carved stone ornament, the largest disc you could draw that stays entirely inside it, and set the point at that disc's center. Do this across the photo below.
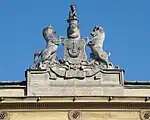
(4, 115)
(145, 115)
(74, 51)
(74, 63)
(74, 115)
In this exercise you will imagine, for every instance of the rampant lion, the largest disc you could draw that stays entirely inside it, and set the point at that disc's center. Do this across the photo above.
(96, 45)
(48, 55)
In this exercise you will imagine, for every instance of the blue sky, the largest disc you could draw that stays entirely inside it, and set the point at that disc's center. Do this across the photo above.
(126, 23)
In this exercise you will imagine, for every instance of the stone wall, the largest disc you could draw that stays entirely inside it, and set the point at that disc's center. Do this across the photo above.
(127, 91)
(82, 108)
(84, 115)
(12, 91)
(137, 92)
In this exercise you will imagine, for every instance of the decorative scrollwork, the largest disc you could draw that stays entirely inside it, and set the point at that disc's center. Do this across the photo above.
(74, 115)
(4, 115)
(145, 115)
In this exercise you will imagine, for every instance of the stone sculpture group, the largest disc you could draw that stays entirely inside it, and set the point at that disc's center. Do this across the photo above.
(75, 63)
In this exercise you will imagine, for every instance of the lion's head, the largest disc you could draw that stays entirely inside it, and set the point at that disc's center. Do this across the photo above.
(98, 35)
(49, 33)
(98, 32)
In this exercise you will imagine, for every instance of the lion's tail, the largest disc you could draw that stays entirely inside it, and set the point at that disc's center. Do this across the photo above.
(109, 54)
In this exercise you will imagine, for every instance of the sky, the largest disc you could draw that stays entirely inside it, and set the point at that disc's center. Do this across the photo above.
(125, 22)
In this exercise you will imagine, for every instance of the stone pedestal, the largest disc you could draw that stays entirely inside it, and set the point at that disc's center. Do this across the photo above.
(107, 82)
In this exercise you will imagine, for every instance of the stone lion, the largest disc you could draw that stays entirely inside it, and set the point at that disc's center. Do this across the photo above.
(48, 55)
(96, 45)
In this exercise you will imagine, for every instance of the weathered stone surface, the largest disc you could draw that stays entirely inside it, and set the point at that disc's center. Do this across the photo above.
(85, 115)
(75, 74)
(137, 92)
(74, 51)
(59, 71)
(12, 91)
(103, 83)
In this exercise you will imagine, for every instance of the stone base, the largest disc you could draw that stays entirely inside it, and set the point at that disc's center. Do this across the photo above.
(105, 83)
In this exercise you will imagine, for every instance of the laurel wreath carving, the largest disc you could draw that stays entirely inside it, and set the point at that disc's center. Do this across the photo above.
(4, 115)
(145, 115)
(74, 115)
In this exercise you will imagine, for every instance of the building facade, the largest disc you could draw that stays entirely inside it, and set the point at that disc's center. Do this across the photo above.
(74, 88)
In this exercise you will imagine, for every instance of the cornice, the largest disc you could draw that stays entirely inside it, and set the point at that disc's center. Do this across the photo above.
(77, 102)
(75, 105)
